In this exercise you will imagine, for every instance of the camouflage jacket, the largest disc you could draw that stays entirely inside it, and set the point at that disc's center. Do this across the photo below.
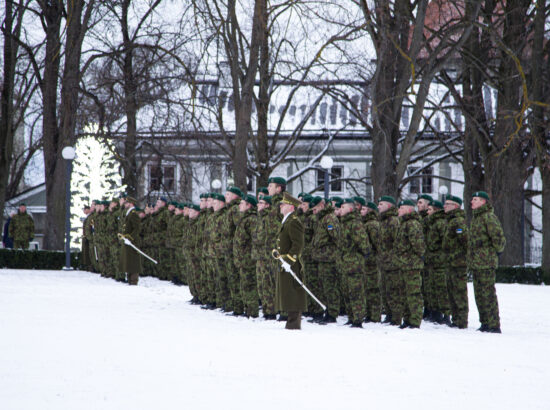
(434, 232)
(424, 219)
(326, 237)
(455, 239)
(21, 227)
(99, 228)
(191, 237)
(308, 219)
(485, 240)
(111, 227)
(147, 231)
(388, 228)
(372, 227)
(258, 235)
(354, 243)
(242, 243)
(208, 227)
(409, 245)
(159, 227)
(174, 230)
(275, 209)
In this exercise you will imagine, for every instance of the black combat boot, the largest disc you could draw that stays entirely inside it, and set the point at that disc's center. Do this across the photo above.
(427, 314)
(357, 324)
(445, 320)
(328, 319)
(437, 317)
(493, 330)
(404, 325)
(270, 317)
(387, 319)
(483, 328)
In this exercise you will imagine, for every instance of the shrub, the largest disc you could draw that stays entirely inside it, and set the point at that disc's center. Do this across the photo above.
(33, 259)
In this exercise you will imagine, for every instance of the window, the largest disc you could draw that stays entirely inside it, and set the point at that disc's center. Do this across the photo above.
(162, 178)
(335, 173)
(422, 184)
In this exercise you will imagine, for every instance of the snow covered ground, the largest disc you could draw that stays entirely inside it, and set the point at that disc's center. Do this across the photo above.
(73, 340)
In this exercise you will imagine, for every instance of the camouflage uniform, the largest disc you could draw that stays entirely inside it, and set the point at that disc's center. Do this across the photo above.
(389, 271)
(100, 228)
(436, 262)
(231, 221)
(485, 241)
(455, 246)
(242, 257)
(326, 252)
(112, 245)
(88, 236)
(209, 255)
(222, 238)
(372, 276)
(191, 247)
(409, 251)
(146, 235)
(93, 241)
(354, 247)
(21, 230)
(427, 283)
(161, 220)
(119, 219)
(311, 267)
(200, 254)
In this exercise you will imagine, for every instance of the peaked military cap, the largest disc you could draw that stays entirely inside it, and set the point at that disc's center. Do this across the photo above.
(289, 199)
(454, 199)
(372, 205)
(219, 197)
(359, 200)
(436, 204)
(481, 194)
(387, 198)
(276, 180)
(406, 202)
(251, 199)
(236, 191)
(131, 199)
(316, 200)
(266, 198)
(426, 197)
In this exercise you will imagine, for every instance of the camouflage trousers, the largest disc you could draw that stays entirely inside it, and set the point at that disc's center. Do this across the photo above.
(94, 255)
(311, 271)
(354, 292)
(164, 268)
(115, 259)
(177, 263)
(438, 282)
(234, 282)
(384, 290)
(193, 273)
(330, 283)
(394, 295)
(486, 297)
(413, 303)
(372, 293)
(427, 290)
(210, 281)
(249, 291)
(457, 286)
(223, 297)
(265, 276)
(202, 280)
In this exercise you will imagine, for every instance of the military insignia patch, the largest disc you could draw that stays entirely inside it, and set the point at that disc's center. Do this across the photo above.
(330, 227)
(459, 230)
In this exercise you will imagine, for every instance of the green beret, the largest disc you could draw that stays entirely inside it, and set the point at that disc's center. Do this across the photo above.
(359, 200)
(349, 201)
(316, 200)
(436, 204)
(307, 198)
(372, 205)
(336, 199)
(387, 198)
(219, 197)
(263, 190)
(426, 197)
(173, 203)
(267, 199)
(276, 180)
(209, 195)
(454, 199)
(235, 190)
(204, 195)
(123, 195)
(139, 209)
(302, 194)
(481, 194)
(251, 199)
(338, 204)
(407, 202)
(195, 207)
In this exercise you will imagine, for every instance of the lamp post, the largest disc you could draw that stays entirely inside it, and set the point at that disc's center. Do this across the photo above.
(68, 154)
(326, 163)
(216, 184)
(443, 190)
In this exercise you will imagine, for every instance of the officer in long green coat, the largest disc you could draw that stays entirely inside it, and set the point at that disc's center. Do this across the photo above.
(485, 242)
(290, 296)
(130, 259)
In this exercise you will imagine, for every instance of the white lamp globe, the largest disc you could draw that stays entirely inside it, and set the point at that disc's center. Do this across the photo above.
(326, 162)
(68, 153)
(216, 184)
(443, 190)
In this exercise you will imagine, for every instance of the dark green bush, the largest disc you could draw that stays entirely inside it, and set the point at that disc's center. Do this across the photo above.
(19, 259)
(520, 274)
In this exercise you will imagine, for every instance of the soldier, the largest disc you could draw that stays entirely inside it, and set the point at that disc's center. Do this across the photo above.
(216, 251)
(389, 271)
(230, 221)
(455, 246)
(326, 252)
(200, 255)
(160, 222)
(409, 254)
(485, 242)
(86, 262)
(176, 234)
(99, 237)
(190, 242)
(90, 234)
(21, 228)
(130, 259)
(262, 191)
(173, 241)
(276, 186)
(355, 246)
(372, 276)
(290, 296)
(422, 204)
(242, 255)
(146, 235)
(434, 233)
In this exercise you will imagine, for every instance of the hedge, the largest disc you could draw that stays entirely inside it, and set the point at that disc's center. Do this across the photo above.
(522, 274)
(48, 260)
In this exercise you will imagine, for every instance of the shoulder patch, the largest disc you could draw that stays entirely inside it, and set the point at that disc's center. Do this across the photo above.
(330, 227)
(459, 230)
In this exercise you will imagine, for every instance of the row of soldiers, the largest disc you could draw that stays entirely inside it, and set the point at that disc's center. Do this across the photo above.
(360, 258)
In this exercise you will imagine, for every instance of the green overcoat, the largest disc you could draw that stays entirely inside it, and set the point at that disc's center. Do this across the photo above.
(130, 259)
(289, 295)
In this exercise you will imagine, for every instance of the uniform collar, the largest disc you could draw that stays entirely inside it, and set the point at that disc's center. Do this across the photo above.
(286, 217)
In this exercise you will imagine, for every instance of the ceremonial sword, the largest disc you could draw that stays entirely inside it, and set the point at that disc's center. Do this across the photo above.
(129, 243)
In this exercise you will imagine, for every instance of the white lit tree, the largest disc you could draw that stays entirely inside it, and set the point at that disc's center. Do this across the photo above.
(96, 175)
